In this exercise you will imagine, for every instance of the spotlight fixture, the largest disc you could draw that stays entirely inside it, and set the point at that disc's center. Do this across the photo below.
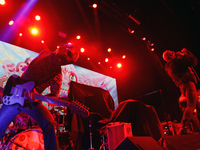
(2, 2)
(109, 49)
(78, 37)
(11, 22)
(82, 50)
(124, 56)
(37, 17)
(94, 5)
(119, 65)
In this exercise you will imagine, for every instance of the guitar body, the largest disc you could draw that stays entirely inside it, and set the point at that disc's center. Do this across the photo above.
(15, 89)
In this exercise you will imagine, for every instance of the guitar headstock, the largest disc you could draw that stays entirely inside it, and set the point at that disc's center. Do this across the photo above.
(77, 107)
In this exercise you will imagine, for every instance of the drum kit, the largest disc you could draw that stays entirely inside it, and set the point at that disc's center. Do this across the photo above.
(25, 134)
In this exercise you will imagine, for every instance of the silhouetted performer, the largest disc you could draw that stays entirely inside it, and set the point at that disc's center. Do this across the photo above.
(179, 68)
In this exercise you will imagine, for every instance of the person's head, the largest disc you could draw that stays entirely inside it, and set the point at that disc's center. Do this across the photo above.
(67, 54)
(168, 55)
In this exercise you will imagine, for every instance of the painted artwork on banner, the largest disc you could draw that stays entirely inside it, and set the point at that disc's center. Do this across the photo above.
(14, 59)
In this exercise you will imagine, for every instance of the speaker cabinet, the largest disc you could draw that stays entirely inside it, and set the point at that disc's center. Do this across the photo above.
(139, 143)
(116, 132)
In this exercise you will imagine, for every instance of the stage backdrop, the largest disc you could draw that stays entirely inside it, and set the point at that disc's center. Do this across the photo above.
(14, 58)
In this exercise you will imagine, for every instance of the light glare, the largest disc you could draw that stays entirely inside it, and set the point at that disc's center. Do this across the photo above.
(109, 49)
(34, 31)
(37, 17)
(11, 22)
(124, 56)
(82, 50)
(94, 5)
(119, 65)
(2, 2)
(78, 37)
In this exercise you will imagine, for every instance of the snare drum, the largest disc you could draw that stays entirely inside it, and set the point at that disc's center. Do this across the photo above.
(31, 139)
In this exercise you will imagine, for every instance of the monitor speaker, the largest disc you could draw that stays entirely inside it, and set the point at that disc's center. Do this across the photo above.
(139, 143)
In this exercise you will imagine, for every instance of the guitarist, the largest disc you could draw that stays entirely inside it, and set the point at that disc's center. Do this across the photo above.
(45, 71)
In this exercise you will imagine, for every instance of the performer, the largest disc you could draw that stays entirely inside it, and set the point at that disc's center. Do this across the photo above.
(45, 71)
(183, 103)
(179, 68)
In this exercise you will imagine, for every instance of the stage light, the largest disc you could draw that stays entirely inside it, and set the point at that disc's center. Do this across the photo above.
(152, 44)
(42, 41)
(94, 5)
(152, 49)
(78, 37)
(130, 31)
(11, 22)
(37, 17)
(2, 2)
(144, 38)
(109, 49)
(88, 58)
(110, 67)
(106, 60)
(82, 50)
(34, 31)
(124, 56)
(99, 63)
(20, 34)
(134, 19)
(119, 65)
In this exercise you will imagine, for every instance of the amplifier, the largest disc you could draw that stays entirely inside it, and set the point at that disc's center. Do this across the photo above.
(117, 132)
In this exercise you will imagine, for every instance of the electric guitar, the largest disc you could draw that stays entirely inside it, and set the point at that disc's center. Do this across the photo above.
(14, 92)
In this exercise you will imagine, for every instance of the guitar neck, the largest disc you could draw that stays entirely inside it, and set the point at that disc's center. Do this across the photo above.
(51, 100)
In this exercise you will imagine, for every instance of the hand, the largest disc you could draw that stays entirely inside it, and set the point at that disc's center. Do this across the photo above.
(184, 51)
(178, 54)
(29, 96)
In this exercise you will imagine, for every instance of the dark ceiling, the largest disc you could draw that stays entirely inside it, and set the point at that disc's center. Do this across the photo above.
(171, 24)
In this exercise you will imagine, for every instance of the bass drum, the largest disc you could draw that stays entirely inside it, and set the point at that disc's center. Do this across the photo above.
(31, 139)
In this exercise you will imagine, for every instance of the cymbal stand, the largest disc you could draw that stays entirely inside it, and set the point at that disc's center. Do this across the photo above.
(90, 126)
(63, 120)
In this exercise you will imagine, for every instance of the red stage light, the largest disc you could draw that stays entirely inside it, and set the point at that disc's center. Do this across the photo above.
(124, 56)
(42, 41)
(109, 49)
(11, 22)
(94, 5)
(37, 17)
(144, 38)
(152, 44)
(34, 31)
(88, 58)
(82, 50)
(78, 37)
(20, 34)
(119, 65)
(106, 60)
(99, 63)
(2, 2)
(152, 49)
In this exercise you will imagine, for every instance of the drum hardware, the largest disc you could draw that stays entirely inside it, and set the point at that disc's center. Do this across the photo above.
(28, 140)
(90, 127)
